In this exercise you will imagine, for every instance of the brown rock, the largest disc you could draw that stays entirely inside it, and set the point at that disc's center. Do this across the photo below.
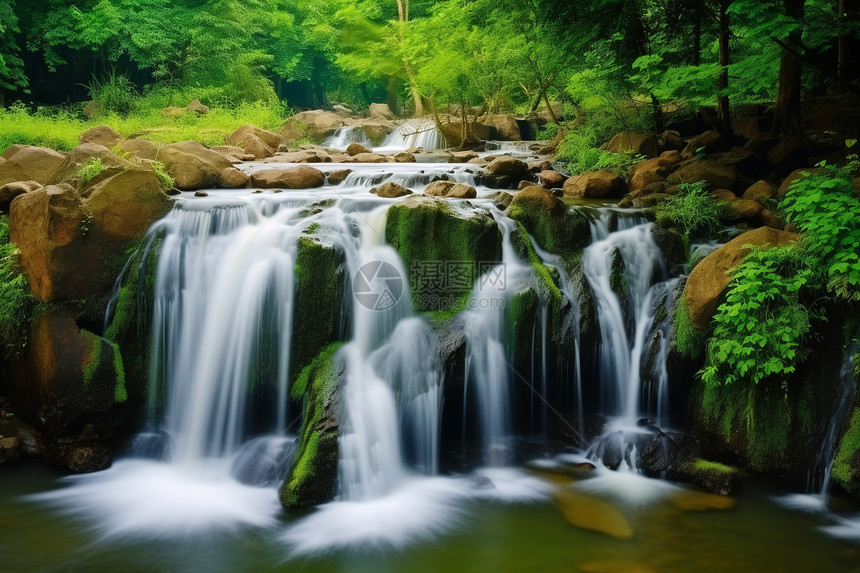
(198, 107)
(592, 514)
(192, 165)
(450, 190)
(315, 125)
(28, 163)
(232, 178)
(504, 125)
(551, 179)
(538, 198)
(672, 157)
(256, 147)
(82, 154)
(789, 154)
(338, 177)
(140, 148)
(404, 157)
(760, 191)
(380, 110)
(724, 195)
(709, 279)
(745, 210)
(370, 158)
(355, 148)
(794, 176)
(640, 143)
(101, 135)
(507, 165)
(706, 143)
(126, 205)
(650, 171)
(390, 190)
(672, 140)
(301, 177)
(772, 219)
(596, 185)
(233, 154)
(464, 156)
(502, 197)
(10, 191)
(10, 450)
(268, 138)
(717, 175)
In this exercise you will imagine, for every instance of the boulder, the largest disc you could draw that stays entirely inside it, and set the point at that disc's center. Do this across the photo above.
(502, 197)
(380, 110)
(140, 148)
(846, 465)
(124, 206)
(717, 175)
(639, 143)
(555, 227)
(794, 176)
(112, 164)
(101, 135)
(709, 279)
(709, 476)
(192, 165)
(71, 386)
(390, 190)
(370, 158)
(305, 156)
(28, 163)
(198, 107)
(301, 177)
(760, 191)
(316, 125)
(256, 147)
(270, 139)
(10, 191)
(789, 154)
(450, 190)
(233, 154)
(705, 143)
(602, 184)
(356, 148)
(651, 171)
(338, 177)
(232, 178)
(404, 157)
(376, 130)
(342, 110)
(672, 141)
(505, 127)
(551, 179)
(723, 195)
(507, 165)
(464, 156)
(10, 450)
(453, 133)
(744, 210)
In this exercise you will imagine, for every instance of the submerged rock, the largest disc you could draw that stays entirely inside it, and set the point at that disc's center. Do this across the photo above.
(712, 477)
(450, 190)
(592, 514)
(390, 190)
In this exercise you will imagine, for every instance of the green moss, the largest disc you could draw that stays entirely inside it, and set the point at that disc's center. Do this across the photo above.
(688, 341)
(120, 392)
(559, 231)
(312, 477)
(846, 465)
(714, 467)
(93, 365)
(617, 278)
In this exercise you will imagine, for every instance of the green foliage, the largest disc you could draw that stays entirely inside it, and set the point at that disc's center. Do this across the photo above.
(846, 455)
(763, 328)
(163, 176)
(115, 93)
(689, 341)
(825, 207)
(16, 303)
(693, 210)
(548, 132)
(89, 170)
(578, 154)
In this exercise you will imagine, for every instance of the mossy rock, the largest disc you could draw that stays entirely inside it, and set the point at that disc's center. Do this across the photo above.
(709, 476)
(431, 235)
(846, 466)
(320, 278)
(313, 475)
(556, 227)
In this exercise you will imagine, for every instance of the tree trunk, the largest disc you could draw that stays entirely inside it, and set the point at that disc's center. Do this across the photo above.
(697, 36)
(786, 117)
(659, 121)
(392, 94)
(724, 116)
(364, 93)
(548, 105)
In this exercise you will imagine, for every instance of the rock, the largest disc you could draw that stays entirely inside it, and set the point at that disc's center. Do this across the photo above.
(270, 139)
(724, 195)
(112, 164)
(380, 110)
(71, 386)
(746, 161)
(592, 514)
(551, 179)
(507, 165)
(789, 154)
(201, 194)
(772, 219)
(232, 178)
(710, 278)
(124, 206)
(140, 148)
(404, 157)
(672, 140)
(198, 107)
(92, 109)
(717, 175)
(376, 130)
(10, 191)
(10, 450)
(390, 190)
(338, 177)
(313, 477)
(639, 143)
(687, 500)
(502, 197)
(846, 465)
(794, 176)
(651, 171)
(450, 190)
(355, 148)
(427, 231)
(595, 185)
(370, 158)
(760, 191)
(301, 177)
(505, 127)
(192, 165)
(28, 163)
(315, 125)
(524, 183)
(744, 210)
(710, 476)
(555, 227)
(706, 143)
(101, 135)
(233, 154)
(301, 157)
(464, 156)
(761, 144)
(342, 110)
(453, 133)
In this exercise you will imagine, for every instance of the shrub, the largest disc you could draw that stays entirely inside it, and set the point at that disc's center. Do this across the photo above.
(693, 210)
(763, 327)
(163, 176)
(578, 154)
(16, 303)
(115, 93)
(89, 170)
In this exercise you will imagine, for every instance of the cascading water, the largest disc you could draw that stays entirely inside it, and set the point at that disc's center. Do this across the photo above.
(345, 136)
(414, 134)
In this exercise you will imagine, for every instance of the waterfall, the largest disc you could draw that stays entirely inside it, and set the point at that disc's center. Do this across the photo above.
(414, 134)
(345, 136)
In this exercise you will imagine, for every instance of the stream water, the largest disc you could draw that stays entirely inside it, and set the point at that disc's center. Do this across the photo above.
(199, 486)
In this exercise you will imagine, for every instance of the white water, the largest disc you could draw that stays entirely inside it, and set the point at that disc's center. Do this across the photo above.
(419, 133)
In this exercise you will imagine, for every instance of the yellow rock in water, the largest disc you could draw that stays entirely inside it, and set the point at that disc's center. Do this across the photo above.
(690, 500)
(593, 514)
(615, 567)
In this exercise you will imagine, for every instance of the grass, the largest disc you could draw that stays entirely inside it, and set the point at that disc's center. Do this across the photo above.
(60, 128)
(90, 170)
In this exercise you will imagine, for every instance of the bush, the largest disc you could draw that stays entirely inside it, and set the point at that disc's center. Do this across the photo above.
(764, 326)
(163, 176)
(578, 154)
(693, 210)
(16, 303)
(89, 170)
(115, 93)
